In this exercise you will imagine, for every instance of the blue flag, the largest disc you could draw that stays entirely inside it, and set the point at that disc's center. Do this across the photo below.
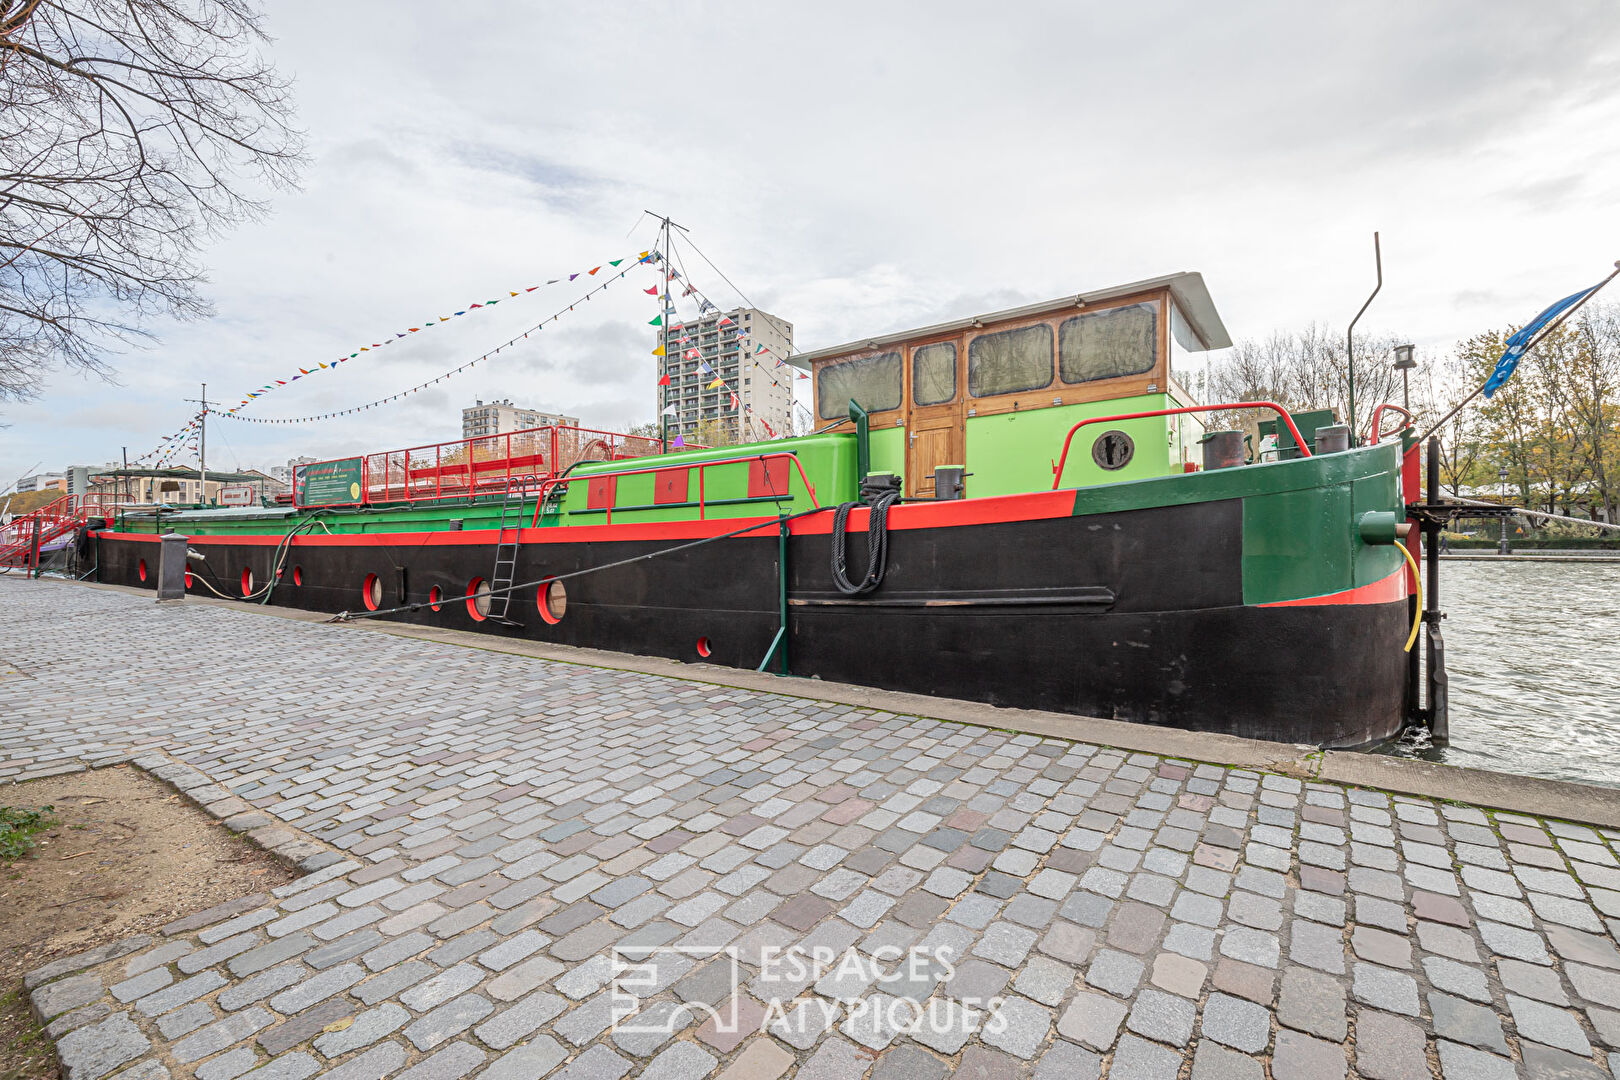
(1516, 344)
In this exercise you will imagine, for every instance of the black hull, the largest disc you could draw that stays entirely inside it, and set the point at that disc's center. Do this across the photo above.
(1109, 615)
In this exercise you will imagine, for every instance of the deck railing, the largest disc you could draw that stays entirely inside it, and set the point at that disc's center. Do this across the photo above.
(1282, 414)
(490, 464)
(702, 502)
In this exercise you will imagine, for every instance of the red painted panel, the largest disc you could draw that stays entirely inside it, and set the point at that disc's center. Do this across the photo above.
(767, 478)
(602, 492)
(670, 486)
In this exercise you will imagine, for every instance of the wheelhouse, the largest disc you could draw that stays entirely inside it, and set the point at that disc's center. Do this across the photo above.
(997, 392)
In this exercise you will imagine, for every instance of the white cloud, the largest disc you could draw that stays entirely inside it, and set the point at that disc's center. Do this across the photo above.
(864, 168)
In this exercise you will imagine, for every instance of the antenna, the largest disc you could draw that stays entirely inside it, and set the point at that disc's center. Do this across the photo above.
(1350, 337)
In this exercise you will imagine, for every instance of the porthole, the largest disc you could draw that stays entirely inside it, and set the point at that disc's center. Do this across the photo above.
(247, 581)
(704, 649)
(435, 596)
(1113, 450)
(553, 601)
(298, 575)
(478, 599)
(140, 569)
(371, 592)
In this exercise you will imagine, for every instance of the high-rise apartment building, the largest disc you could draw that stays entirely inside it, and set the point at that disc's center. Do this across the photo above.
(727, 345)
(501, 417)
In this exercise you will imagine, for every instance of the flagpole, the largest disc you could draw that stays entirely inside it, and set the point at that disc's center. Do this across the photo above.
(1554, 325)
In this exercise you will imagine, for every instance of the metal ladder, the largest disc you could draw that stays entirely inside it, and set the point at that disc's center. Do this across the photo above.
(506, 549)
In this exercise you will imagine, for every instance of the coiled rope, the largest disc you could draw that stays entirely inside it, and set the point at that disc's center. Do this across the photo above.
(877, 545)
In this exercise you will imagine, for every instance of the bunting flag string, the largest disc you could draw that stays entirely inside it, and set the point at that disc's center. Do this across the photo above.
(706, 306)
(645, 257)
(387, 339)
(170, 445)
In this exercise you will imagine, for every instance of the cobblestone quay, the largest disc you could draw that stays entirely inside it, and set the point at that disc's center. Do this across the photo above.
(524, 868)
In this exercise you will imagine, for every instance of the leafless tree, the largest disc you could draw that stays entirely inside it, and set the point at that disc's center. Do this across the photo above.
(1306, 369)
(131, 132)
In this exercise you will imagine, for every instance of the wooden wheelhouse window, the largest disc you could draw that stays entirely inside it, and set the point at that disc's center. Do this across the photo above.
(933, 373)
(1108, 344)
(1010, 360)
(873, 381)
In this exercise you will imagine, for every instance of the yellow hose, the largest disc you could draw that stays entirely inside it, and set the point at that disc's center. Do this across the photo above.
(1417, 577)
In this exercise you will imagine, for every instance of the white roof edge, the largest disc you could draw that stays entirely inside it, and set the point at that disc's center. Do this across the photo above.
(1187, 287)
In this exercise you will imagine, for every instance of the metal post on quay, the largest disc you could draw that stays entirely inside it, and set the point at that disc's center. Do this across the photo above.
(1502, 540)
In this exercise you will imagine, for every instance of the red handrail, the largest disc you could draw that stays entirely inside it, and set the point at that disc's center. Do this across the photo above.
(1057, 470)
(552, 482)
(1378, 414)
(489, 464)
(54, 518)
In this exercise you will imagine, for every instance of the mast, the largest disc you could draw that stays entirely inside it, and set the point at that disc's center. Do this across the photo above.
(663, 361)
(665, 225)
(202, 451)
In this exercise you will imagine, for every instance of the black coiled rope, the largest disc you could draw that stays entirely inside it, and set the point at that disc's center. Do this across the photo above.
(877, 545)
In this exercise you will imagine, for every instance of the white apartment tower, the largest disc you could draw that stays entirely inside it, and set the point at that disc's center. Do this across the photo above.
(502, 417)
(741, 347)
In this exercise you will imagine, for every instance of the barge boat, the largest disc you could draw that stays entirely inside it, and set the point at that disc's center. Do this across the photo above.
(1022, 508)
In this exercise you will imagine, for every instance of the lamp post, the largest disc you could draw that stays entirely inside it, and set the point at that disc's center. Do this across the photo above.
(1403, 364)
(1501, 543)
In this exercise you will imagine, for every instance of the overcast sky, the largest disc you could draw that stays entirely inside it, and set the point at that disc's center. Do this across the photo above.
(860, 168)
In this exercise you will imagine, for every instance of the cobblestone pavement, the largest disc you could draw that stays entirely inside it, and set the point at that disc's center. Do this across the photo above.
(491, 835)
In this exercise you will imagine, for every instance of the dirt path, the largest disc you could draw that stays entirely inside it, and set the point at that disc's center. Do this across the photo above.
(127, 855)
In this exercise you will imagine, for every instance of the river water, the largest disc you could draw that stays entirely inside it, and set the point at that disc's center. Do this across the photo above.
(1533, 651)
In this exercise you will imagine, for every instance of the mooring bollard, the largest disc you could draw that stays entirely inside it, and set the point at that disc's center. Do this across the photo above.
(172, 567)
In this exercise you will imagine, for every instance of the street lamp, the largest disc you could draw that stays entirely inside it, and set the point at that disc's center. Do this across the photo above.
(1403, 364)
(1501, 543)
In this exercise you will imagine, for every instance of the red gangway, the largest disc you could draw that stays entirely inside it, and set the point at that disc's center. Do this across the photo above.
(24, 535)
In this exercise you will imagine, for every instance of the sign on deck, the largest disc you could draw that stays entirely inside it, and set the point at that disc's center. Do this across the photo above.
(237, 495)
(328, 483)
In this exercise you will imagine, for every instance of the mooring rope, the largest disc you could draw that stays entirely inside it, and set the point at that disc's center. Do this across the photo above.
(1533, 513)
(877, 545)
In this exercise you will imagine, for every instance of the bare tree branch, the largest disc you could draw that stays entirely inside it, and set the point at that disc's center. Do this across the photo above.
(131, 133)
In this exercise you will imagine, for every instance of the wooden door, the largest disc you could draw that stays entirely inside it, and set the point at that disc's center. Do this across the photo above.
(935, 417)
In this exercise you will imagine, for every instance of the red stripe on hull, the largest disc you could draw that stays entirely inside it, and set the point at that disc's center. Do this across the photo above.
(926, 515)
(1384, 591)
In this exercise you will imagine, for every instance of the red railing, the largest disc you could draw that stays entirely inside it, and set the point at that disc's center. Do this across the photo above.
(1378, 415)
(54, 519)
(490, 464)
(700, 466)
(1057, 470)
